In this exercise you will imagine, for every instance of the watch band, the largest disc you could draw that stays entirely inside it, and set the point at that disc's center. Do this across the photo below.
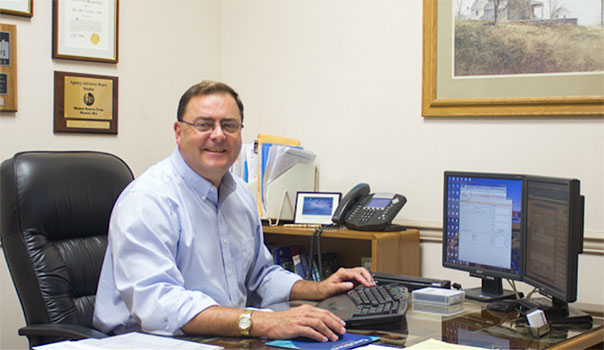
(245, 322)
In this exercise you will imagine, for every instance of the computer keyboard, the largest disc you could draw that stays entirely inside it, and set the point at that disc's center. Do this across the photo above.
(369, 305)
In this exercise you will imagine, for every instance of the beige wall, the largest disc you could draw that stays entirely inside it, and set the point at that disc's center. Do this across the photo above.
(344, 76)
(164, 47)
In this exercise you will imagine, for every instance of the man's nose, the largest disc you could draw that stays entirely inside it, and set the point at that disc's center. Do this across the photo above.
(217, 131)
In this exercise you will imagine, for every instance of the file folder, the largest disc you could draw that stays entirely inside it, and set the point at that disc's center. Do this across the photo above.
(264, 138)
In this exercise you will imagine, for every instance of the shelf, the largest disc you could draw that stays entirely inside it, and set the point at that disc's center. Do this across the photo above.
(391, 252)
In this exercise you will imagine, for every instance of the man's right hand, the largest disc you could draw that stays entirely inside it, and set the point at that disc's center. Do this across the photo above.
(302, 321)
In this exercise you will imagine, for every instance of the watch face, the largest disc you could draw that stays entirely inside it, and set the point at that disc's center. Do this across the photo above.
(245, 323)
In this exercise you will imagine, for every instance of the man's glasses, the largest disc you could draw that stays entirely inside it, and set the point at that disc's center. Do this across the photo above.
(208, 125)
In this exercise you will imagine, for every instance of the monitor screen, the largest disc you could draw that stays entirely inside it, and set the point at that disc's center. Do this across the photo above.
(483, 228)
(554, 236)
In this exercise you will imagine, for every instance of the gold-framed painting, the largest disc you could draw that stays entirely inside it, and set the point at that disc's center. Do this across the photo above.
(448, 92)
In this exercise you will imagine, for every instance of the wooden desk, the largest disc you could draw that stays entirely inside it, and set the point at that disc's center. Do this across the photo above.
(391, 252)
(475, 325)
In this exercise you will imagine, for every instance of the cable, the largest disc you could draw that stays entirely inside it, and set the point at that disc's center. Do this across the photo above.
(531, 293)
(513, 285)
(316, 236)
(319, 254)
(311, 255)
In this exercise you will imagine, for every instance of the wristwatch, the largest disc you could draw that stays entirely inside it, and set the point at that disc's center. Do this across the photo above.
(245, 322)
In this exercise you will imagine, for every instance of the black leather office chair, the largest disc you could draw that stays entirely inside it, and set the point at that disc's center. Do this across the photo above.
(54, 217)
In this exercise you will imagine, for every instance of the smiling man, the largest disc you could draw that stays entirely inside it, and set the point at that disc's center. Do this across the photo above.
(186, 253)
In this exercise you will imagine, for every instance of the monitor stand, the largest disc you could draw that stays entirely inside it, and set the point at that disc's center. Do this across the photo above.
(491, 290)
(557, 311)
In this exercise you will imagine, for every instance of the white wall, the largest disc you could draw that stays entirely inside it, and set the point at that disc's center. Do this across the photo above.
(344, 76)
(164, 47)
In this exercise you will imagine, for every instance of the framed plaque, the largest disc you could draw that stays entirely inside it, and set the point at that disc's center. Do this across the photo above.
(85, 103)
(85, 30)
(23, 8)
(8, 67)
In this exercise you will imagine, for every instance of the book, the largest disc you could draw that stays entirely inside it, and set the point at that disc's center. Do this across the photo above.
(283, 256)
(298, 266)
(348, 341)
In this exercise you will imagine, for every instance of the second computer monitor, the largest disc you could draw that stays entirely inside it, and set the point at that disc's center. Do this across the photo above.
(483, 229)
(554, 236)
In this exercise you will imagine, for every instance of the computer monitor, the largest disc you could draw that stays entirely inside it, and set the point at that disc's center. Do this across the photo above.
(483, 229)
(554, 239)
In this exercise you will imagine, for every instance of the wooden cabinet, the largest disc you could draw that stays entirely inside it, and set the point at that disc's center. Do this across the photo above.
(390, 252)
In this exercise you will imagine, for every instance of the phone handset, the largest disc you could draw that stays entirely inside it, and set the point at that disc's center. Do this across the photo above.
(349, 200)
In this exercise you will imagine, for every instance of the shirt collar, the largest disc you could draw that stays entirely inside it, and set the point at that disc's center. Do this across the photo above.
(198, 183)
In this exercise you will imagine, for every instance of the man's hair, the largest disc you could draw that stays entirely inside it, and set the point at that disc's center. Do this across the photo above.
(206, 87)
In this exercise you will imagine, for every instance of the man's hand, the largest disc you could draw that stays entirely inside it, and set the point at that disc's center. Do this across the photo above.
(302, 321)
(341, 281)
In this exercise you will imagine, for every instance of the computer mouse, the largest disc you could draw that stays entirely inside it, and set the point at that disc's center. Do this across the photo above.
(506, 305)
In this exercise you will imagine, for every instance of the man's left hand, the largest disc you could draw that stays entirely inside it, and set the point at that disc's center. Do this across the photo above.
(341, 281)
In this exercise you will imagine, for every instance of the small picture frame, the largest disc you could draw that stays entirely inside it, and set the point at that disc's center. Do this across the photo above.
(85, 30)
(316, 207)
(8, 67)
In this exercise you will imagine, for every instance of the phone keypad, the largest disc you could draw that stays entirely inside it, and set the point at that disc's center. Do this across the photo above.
(367, 214)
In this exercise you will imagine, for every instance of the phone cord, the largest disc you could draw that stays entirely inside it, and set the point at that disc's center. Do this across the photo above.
(311, 256)
(316, 236)
(319, 256)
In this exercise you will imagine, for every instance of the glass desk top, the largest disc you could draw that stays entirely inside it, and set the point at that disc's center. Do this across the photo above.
(469, 323)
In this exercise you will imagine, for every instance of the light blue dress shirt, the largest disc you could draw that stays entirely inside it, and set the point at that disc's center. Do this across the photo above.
(177, 246)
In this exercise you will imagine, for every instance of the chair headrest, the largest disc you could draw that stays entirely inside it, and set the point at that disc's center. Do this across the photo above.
(62, 194)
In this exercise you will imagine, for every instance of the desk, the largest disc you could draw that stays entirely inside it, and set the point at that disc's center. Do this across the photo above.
(391, 252)
(474, 325)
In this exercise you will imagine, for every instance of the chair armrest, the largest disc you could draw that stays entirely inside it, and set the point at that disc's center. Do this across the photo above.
(67, 331)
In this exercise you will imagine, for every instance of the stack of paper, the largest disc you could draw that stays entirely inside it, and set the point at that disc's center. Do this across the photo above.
(128, 341)
(262, 162)
(277, 159)
(246, 165)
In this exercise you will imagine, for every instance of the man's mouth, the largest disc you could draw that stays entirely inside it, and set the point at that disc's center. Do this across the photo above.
(215, 150)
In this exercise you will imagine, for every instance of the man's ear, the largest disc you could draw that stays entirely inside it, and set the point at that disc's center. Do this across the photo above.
(177, 131)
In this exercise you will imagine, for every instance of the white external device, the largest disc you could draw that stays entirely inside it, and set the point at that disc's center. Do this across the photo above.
(438, 296)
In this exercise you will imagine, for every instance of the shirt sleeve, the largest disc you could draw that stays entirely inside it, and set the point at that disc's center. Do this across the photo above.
(144, 240)
(268, 283)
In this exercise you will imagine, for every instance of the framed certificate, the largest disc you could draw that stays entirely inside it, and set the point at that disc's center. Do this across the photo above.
(85, 103)
(8, 67)
(85, 30)
(23, 8)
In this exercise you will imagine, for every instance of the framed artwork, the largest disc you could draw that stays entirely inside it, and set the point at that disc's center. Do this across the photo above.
(8, 67)
(85, 103)
(315, 207)
(85, 30)
(463, 73)
(23, 8)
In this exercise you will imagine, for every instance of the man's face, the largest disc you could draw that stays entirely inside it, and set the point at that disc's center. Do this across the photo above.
(212, 152)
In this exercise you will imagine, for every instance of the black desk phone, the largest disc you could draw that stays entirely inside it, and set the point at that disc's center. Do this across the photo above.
(361, 210)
